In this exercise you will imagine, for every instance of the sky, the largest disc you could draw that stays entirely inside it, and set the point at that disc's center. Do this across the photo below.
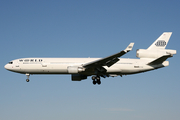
(87, 28)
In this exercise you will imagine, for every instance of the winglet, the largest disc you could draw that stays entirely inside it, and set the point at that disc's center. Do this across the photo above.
(129, 47)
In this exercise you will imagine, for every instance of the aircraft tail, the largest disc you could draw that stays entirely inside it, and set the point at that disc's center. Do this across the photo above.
(157, 49)
(161, 42)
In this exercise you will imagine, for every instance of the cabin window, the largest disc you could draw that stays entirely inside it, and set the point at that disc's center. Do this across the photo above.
(20, 60)
(40, 60)
(10, 62)
(32, 60)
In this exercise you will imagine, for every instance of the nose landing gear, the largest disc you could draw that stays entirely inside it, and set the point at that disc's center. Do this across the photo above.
(96, 79)
(27, 74)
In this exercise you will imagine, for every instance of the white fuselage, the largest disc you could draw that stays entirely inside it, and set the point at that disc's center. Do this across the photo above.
(60, 65)
(80, 68)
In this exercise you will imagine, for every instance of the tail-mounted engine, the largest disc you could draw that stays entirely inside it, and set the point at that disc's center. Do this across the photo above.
(143, 53)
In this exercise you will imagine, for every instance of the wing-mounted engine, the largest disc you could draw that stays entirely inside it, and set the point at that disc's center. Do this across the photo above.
(75, 69)
(143, 53)
(75, 73)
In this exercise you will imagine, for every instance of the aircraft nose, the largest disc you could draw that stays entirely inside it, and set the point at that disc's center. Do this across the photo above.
(7, 67)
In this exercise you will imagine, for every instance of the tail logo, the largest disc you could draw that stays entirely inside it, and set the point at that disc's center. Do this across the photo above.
(160, 43)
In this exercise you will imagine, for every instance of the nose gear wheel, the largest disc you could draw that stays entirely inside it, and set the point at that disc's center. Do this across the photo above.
(27, 74)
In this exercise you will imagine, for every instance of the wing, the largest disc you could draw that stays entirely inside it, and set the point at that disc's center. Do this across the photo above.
(108, 61)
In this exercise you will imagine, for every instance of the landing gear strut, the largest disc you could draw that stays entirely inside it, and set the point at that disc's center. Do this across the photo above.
(96, 79)
(27, 74)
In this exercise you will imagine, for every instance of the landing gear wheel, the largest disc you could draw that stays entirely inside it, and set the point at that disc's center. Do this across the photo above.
(94, 82)
(96, 79)
(98, 82)
(27, 74)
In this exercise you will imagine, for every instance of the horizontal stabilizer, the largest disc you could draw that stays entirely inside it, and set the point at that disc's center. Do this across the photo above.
(159, 60)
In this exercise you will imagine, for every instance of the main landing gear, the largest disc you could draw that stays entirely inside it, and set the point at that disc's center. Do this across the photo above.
(96, 79)
(27, 74)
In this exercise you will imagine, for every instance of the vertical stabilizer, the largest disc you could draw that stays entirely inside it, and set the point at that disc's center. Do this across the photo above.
(161, 42)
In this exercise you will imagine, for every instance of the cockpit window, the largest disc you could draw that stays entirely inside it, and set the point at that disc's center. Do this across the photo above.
(10, 62)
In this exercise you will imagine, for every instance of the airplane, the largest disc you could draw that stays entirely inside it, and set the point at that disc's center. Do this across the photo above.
(151, 58)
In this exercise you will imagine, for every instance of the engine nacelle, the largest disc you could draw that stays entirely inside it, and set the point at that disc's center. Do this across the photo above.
(78, 77)
(143, 53)
(74, 69)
